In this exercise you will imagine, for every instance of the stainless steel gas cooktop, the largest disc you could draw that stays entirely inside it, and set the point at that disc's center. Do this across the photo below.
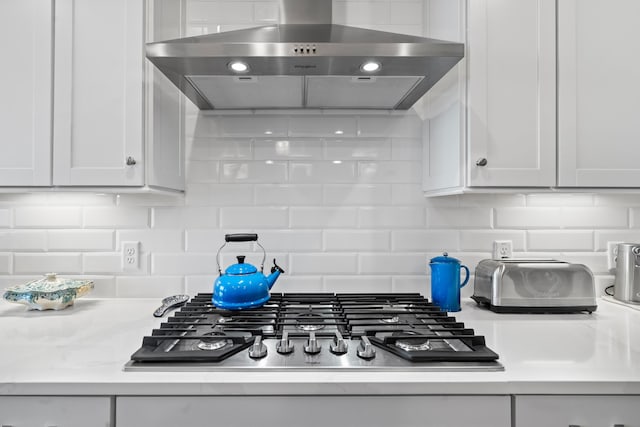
(402, 332)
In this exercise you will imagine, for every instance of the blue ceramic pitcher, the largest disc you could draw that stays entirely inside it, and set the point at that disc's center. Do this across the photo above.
(445, 282)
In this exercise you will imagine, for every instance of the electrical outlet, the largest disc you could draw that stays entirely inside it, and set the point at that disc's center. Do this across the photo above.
(502, 249)
(612, 254)
(130, 256)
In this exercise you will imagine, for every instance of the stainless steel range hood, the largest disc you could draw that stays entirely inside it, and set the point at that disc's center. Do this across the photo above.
(304, 62)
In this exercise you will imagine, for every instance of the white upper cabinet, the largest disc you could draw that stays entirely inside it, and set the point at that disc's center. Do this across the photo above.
(492, 120)
(25, 88)
(599, 93)
(511, 93)
(99, 86)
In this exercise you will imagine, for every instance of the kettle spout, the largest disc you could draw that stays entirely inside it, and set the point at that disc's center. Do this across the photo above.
(275, 273)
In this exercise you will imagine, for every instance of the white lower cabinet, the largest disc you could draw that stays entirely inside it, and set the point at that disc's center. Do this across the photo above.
(577, 411)
(315, 411)
(47, 411)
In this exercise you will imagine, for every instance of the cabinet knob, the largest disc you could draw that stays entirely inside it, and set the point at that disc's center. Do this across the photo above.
(131, 161)
(481, 162)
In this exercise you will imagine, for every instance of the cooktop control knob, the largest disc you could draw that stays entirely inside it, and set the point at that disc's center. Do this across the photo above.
(365, 349)
(284, 346)
(338, 346)
(258, 350)
(312, 346)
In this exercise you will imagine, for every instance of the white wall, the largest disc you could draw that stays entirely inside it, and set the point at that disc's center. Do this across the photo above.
(359, 225)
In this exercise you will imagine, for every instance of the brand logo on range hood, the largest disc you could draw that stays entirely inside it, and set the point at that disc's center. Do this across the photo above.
(305, 67)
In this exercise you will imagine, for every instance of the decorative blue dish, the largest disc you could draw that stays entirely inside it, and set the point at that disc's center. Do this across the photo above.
(49, 293)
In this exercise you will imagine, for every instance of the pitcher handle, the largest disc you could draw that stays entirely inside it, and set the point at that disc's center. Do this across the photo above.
(466, 279)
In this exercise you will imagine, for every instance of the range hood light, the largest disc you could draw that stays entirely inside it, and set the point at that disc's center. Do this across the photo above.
(238, 67)
(371, 67)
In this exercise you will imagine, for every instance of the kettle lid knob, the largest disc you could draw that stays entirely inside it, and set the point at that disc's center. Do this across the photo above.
(445, 254)
(241, 259)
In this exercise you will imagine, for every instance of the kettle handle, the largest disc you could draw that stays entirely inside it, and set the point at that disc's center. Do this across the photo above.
(466, 279)
(241, 237)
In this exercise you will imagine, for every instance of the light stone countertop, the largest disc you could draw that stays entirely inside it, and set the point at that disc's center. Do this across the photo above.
(82, 350)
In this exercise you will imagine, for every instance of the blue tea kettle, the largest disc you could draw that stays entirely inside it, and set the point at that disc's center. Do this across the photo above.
(242, 286)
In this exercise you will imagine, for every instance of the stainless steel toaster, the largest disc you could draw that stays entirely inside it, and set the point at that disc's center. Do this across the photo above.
(534, 286)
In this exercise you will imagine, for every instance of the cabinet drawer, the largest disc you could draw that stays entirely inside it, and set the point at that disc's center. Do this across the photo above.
(55, 411)
(579, 411)
(315, 411)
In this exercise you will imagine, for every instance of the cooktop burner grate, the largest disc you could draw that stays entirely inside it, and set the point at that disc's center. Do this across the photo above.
(315, 331)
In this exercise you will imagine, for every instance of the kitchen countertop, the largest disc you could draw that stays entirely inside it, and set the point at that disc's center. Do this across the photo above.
(82, 350)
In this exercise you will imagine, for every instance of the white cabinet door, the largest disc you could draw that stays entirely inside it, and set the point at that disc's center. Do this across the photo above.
(55, 411)
(25, 92)
(315, 411)
(577, 411)
(98, 103)
(512, 93)
(598, 93)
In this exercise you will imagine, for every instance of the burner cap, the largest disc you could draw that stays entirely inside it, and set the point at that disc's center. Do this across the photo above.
(309, 321)
(414, 344)
(213, 341)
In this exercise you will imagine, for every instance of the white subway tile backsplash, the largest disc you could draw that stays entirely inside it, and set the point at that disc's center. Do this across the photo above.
(219, 194)
(306, 284)
(288, 195)
(63, 263)
(80, 240)
(411, 284)
(149, 287)
(49, 217)
(202, 217)
(322, 126)
(120, 217)
(407, 126)
(23, 240)
(358, 284)
(109, 263)
(425, 240)
(198, 240)
(357, 240)
(103, 286)
(358, 194)
(323, 263)
(198, 284)
(220, 149)
(287, 149)
(459, 218)
(411, 194)
(256, 172)
(358, 149)
(181, 264)
(610, 200)
(490, 200)
(5, 218)
(602, 237)
(555, 217)
(152, 240)
(635, 217)
(482, 240)
(291, 240)
(406, 149)
(408, 263)
(391, 217)
(390, 172)
(219, 12)
(203, 171)
(322, 172)
(562, 200)
(556, 240)
(324, 217)
(254, 217)
(253, 126)
(5, 264)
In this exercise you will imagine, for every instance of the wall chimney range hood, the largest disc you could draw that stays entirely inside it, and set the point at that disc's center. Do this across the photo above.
(304, 62)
